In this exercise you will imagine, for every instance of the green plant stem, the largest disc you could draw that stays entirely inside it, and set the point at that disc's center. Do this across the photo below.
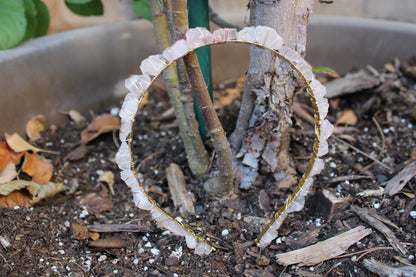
(198, 14)
(222, 185)
(179, 26)
(197, 157)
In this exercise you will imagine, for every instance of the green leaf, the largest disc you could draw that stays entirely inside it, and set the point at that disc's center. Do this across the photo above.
(92, 7)
(142, 8)
(12, 23)
(30, 13)
(322, 68)
(42, 18)
(325, 70)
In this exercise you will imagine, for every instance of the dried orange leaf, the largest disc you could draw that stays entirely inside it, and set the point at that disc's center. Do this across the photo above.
(74, 115)
(81, 232)
(39, 169)
(102, 124)
(8, 173)
(34, 127)
(107, 177)
(232, 94)
(8, 155)
(36, 192)
(18, 144)
(347, 118)
(14, 199)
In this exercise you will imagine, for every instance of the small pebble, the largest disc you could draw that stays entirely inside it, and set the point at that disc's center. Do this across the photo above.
(155, 251)
(114, 111)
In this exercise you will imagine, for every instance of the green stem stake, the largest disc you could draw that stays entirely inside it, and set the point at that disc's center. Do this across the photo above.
(198, 15)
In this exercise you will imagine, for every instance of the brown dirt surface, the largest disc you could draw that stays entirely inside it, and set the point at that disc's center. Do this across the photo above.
(43, 241)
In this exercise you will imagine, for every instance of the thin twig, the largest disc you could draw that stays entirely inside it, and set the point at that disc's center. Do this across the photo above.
(365, 216)
(364, 251)
(217, 20)
(332, 268)
(348, 178)
(383, 145)
(362, 153)
(145, 160)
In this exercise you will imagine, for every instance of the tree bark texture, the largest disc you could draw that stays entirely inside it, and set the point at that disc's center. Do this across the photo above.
(261, 138)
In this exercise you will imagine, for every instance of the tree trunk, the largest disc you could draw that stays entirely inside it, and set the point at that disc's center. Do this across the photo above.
(261, 138)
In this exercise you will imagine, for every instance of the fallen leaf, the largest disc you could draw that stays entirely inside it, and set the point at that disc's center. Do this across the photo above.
(8, 155)
(347, 118)
(8, 173)
(39, 169)
(232, 94)
(75, 116)
(80, 232)
(78, 153)
(12, 190)
(18, 144)
(100, 125)
(108, 243)
(95, 203)
(325, 70)
(107, 177)
(34, 127)
(15, 199)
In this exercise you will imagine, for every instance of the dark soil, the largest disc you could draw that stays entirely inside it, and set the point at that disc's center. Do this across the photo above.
(42, 242)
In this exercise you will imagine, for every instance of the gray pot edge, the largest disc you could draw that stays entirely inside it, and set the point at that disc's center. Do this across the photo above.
(49, 74)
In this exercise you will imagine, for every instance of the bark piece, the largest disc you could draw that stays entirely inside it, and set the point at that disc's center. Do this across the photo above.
(327, 205)
(4, 242)
(409, 71)
(323, 250)
(364, 214)
(177, 186)
(305, 239)
(396, 184)
(384, 270)
(351, 83)
(115, 228)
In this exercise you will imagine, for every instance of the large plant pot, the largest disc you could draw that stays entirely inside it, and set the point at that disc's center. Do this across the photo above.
(84, 69)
